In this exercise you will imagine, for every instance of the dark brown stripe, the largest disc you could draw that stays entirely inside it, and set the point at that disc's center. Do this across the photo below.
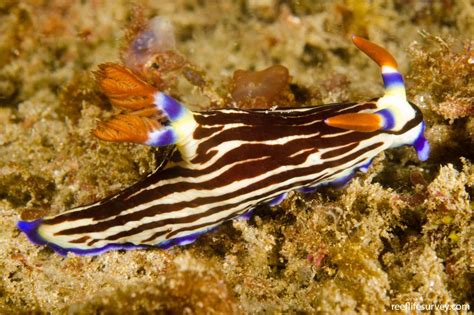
(80, 240)
(233, 215)
(283, 116)
(159, 209)
(115, 206)
(200, 133)
(344, 149)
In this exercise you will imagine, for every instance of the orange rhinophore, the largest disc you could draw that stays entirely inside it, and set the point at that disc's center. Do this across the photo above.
(375, 52)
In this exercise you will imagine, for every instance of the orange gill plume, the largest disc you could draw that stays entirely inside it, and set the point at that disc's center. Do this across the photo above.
(123, 87)
(127, 91)
(127, 128)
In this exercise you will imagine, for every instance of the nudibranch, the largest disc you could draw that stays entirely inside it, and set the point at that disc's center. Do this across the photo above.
(225, 162)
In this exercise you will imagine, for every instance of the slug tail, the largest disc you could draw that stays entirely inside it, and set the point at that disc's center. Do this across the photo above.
(30, 228)
(32, 232)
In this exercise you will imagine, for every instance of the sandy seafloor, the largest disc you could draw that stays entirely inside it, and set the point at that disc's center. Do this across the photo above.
(401, 233)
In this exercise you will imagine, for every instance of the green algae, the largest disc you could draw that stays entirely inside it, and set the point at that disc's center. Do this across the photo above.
(400, 233)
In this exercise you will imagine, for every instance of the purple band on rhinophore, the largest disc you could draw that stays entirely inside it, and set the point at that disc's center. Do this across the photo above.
(388, 119)
(171, 107)
(162, 137)
(392, 79)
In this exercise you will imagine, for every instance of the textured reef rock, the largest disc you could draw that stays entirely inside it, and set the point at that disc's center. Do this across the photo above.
(402, 232)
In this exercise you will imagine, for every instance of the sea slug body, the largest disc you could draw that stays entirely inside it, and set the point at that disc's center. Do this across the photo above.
(226, 162)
